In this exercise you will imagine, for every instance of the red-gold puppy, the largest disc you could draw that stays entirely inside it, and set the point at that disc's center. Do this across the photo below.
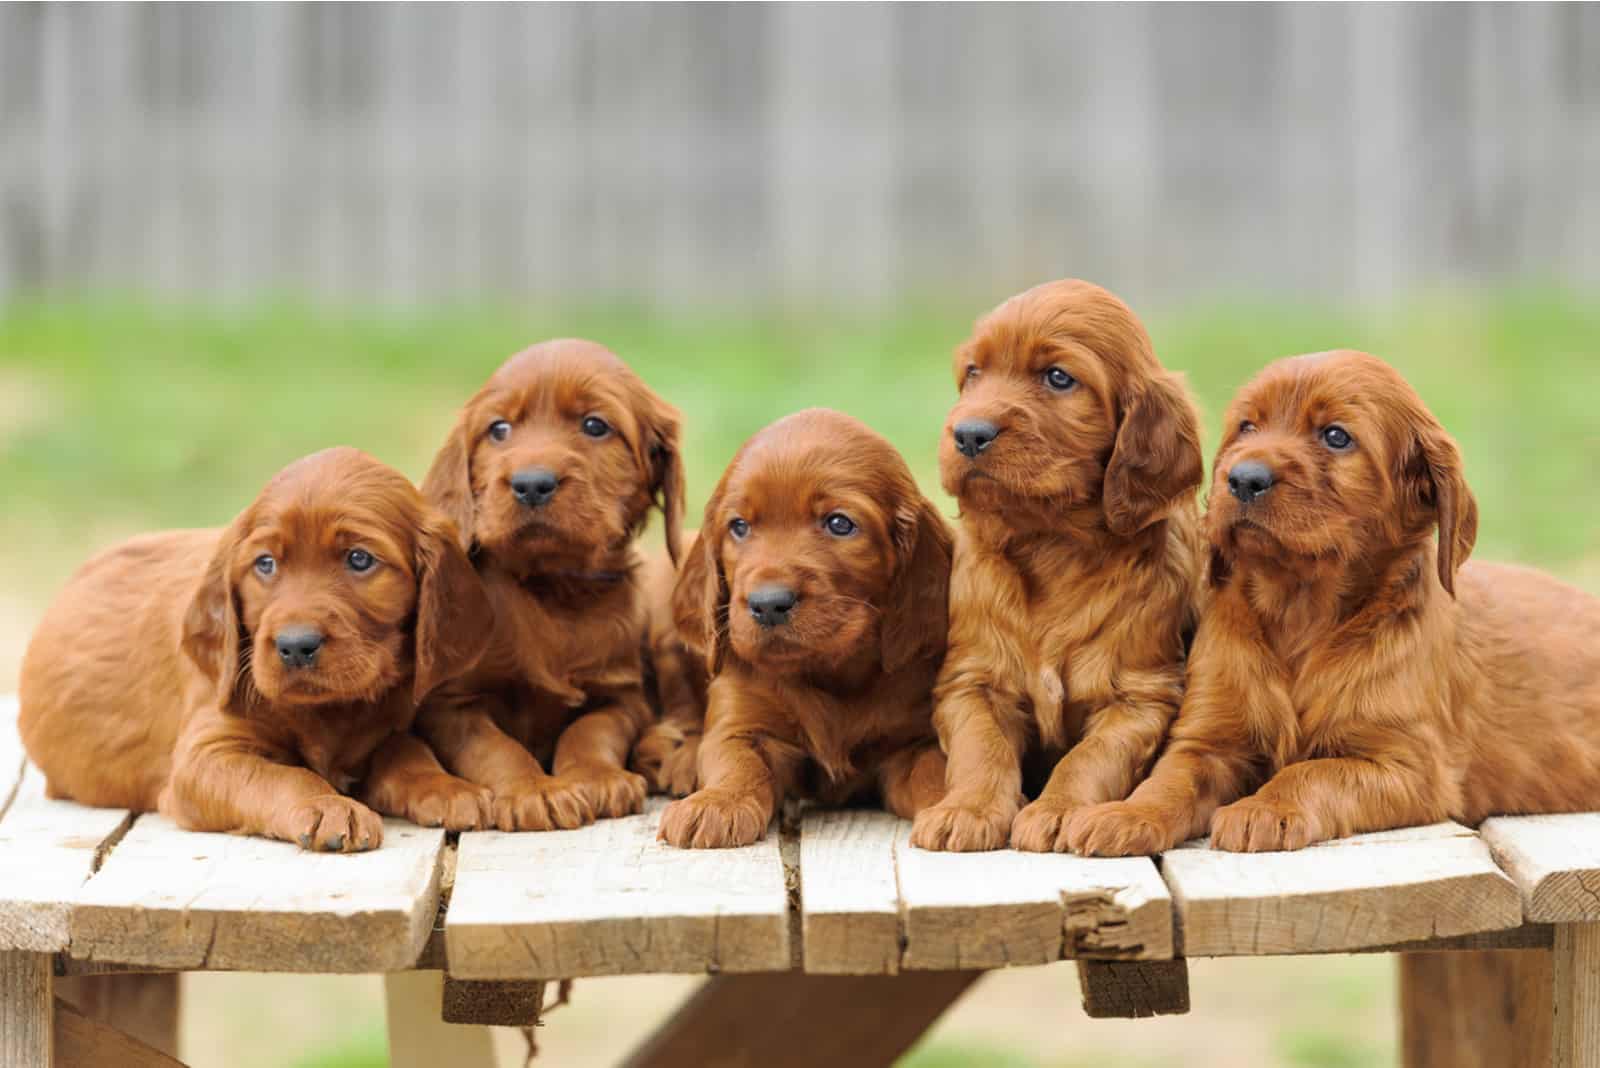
(817, 592)
(1076, 459)
(550, 474)
(248, 679)
(1350, 674)
(669, 749)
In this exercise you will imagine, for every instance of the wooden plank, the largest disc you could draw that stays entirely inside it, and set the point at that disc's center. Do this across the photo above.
(12, 760)
(794, 1020)
(1373, 889)
(610, 899)
(183, 899)
(1133, 989)
(81, 1040)
(26, 1007)
(419, 1037)
(1575, 968)
(849, 895)
(47, 850)
(1475, 1010)
(492, 1002)
(990, 910)
(142, 1006)
(1554, 860)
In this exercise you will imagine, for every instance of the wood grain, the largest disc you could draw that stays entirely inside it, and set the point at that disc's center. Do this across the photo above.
(849, 896)
(143, 1006)
(1575, 964)
(1489, 1009)
(1375, 889)
(1133, 989)
(173, 898)
(26, 1007)
(82, 1040)
(610, 899)
(48, 849)
(1554, 860)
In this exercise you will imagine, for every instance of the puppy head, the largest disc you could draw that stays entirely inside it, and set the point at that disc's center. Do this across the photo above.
(333, 586)
(555, 463)
(1063, 405)
(1332, 458)
(815, 545)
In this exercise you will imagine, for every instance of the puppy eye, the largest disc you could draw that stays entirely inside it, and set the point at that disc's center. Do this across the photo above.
(359, 560)
(266, 566)
(972, 370)
(1337, 438)
(739, 529)
(839, 525)
(1059, 380)
(499, 430)
(1247, 427)
(595, 426)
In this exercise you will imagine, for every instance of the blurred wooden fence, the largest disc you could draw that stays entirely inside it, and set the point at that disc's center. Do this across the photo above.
(682, 153)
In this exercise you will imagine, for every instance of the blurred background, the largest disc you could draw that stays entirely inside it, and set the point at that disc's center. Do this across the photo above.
(230, 235)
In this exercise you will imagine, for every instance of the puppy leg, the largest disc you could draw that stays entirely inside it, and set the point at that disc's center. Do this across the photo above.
(667, 751)
(470, 744)
(746, 776)
(591, 754)
(406, 780)
(222, 782)
(984, 780)
(913, 779)
(1315, 800)
(1118, 744)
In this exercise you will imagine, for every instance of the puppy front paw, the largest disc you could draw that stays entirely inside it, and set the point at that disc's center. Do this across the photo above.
(1262, 825)
(440, 800)
(1123, 829)
(665, 755)
(714, 819)
(954, 827)
(608, 792)
(544, 804)
(1041, 827)
(333, 824)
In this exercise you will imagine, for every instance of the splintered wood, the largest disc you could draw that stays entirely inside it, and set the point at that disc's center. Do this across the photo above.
(1371, 890)
(872, 903)
(610, 899)
(1555, 862)
(171, 898)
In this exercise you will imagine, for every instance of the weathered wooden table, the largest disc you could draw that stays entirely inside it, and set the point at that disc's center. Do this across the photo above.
(832, 941)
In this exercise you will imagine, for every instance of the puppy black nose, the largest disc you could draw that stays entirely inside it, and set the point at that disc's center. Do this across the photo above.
(534, 486)
(1249, 480)
(973, 436)
(298, 646)
(771, 605)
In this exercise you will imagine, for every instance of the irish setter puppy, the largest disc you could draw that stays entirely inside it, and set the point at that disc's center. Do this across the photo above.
(669, 749)
(1076, 460)
(251, 679)
(1350, 674)
(817, 592)
(550, 474)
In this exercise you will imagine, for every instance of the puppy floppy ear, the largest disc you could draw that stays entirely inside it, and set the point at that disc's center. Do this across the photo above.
(916, 614)
(211, 632)
(448, 484)
(1156, 459)
(1436, 486)
(664, 460)
(454, 616)
(700, 596)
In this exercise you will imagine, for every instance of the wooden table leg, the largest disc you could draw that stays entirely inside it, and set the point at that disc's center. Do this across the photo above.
(144, 1006)
(27, 1010)
(418, 1035)
(1577, 995)
(1476, 1009)
(793, 1020)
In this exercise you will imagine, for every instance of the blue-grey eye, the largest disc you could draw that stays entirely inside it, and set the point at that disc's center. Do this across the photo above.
(499, 430)
(739, 529)
(1059, 380)
(595, 426)
(1337, 438)
(839, 525)
(266, 566)
(359, 560)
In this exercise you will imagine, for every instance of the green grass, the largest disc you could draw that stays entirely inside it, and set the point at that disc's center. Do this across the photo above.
(118, 415)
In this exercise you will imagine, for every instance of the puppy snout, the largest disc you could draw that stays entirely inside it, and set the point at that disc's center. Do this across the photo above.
(534, 486)
(771, 605)
(298, 646)
(1249, 480)
(973, 436)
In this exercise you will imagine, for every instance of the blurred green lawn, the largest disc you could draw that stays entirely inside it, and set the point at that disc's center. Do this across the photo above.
(118, 416)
